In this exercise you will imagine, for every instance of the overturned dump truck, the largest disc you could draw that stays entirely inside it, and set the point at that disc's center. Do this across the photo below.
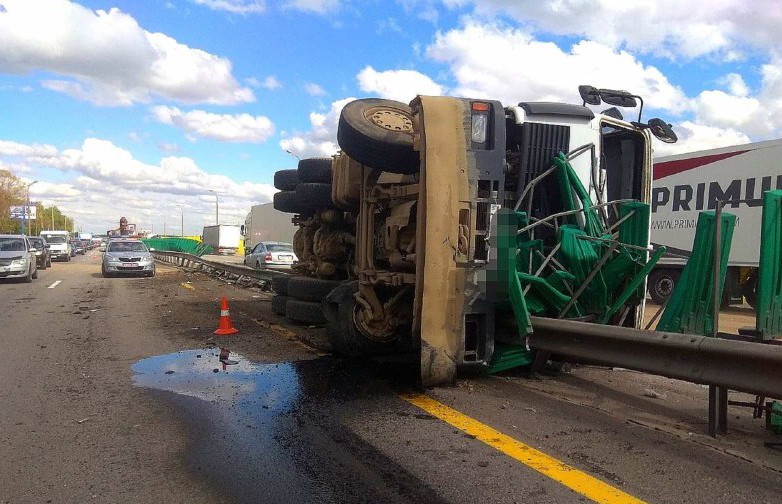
(403, 240)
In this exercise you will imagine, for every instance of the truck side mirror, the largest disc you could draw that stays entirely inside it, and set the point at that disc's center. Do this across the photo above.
(662, 130)
(618, 98)
(589, 94)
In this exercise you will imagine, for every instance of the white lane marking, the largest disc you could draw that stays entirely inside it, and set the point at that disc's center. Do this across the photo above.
(55, 284)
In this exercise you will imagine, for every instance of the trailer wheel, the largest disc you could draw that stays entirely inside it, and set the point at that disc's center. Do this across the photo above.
(310, 289)
(315, 170)
(280, 284)
(661, 284)
(749, 290)
(305, 312)
(379, 133)
(314, 195)
(288, 202)
(286, 180)
(278, 304)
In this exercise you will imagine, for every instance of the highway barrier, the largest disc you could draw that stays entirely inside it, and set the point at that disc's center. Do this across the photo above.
(238, 273)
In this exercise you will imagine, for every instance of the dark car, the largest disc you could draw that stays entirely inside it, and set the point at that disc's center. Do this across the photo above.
(43, 256)
(77, 247)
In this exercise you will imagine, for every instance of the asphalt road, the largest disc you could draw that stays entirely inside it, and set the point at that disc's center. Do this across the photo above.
(112, 391)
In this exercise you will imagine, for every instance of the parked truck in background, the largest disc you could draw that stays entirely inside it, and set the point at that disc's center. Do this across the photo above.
(397, 236)
(265, 223)
(59, 244)
(223, 238)
(686, 184)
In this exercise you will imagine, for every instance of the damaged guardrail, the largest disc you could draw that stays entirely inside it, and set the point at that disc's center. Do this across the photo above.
(238, 273)
(745, 366)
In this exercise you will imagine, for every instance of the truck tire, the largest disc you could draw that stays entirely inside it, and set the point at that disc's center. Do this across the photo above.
(379, 133)
(35, 274)
(310, 289)
(661, 284)
(305, 312)
(280, 284)
(286, 180)
(314, 195)
(315, 170)
(288, 202)
(347, 340)
(278, 304)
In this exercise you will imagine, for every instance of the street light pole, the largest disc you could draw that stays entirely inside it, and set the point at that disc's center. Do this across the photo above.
(26, 205)
(217, 207)
(182, 221)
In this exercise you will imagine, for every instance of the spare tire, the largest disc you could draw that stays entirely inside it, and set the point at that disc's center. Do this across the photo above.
(306, 312)
(309, 288)
(315, 170)
(286, 180)
(379, 134)
(314, 196)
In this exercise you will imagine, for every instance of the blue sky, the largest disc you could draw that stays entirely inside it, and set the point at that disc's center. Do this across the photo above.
(132, 107)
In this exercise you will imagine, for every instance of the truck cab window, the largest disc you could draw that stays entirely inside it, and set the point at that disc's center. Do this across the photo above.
(622, 162)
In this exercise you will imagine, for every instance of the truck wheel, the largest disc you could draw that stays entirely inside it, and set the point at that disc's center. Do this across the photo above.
(661, 284)
(315, 170)
(280, 284)
(278, 304)
(306, 312)
(35, 274)
(314, 195)
(750, 290)
(286, 180)
(310, 289)
(67, 258)
(287, 201)
(346, 339)
(379, 133)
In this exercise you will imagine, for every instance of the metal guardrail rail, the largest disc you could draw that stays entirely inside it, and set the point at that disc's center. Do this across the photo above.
(237, 272)
(751, 367)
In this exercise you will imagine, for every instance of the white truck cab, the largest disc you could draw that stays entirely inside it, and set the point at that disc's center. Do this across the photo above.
(59, 244)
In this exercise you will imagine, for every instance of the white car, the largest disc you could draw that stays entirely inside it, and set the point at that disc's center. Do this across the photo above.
(17, 258)
(276, 255)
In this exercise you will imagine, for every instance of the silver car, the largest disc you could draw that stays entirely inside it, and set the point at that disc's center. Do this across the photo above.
(17, 258)
(276, 255)
(127, 257)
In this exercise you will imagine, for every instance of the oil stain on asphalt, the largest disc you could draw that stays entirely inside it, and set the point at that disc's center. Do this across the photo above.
(269, 432)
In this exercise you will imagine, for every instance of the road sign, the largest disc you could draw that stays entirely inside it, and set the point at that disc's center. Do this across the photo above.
(17, 212)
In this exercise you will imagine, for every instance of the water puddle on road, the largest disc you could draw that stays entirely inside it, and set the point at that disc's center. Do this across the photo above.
(264, 432)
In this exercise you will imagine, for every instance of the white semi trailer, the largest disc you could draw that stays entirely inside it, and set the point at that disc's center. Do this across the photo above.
(686, 184)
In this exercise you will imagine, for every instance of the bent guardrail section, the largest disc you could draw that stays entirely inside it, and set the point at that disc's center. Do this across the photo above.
(236, 272)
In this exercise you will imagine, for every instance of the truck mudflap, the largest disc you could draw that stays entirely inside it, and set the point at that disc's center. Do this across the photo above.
(445, 199)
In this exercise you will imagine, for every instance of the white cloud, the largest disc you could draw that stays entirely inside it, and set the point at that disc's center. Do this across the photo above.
(321, 139)
(234, 6)
(511, 66)
(694, 137)
(688, 28)
(107, 58)
(222, 127)
(313, 89)
(271, 82)
(170, 148)
(110, 182)
(400, 85)
(313, 6)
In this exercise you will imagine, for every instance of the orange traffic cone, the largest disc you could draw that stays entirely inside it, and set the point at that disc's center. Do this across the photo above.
(226, 327)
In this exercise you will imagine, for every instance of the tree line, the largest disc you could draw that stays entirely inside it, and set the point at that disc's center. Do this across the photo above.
(12, 193)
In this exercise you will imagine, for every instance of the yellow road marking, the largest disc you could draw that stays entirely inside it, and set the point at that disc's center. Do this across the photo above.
(578, 481)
